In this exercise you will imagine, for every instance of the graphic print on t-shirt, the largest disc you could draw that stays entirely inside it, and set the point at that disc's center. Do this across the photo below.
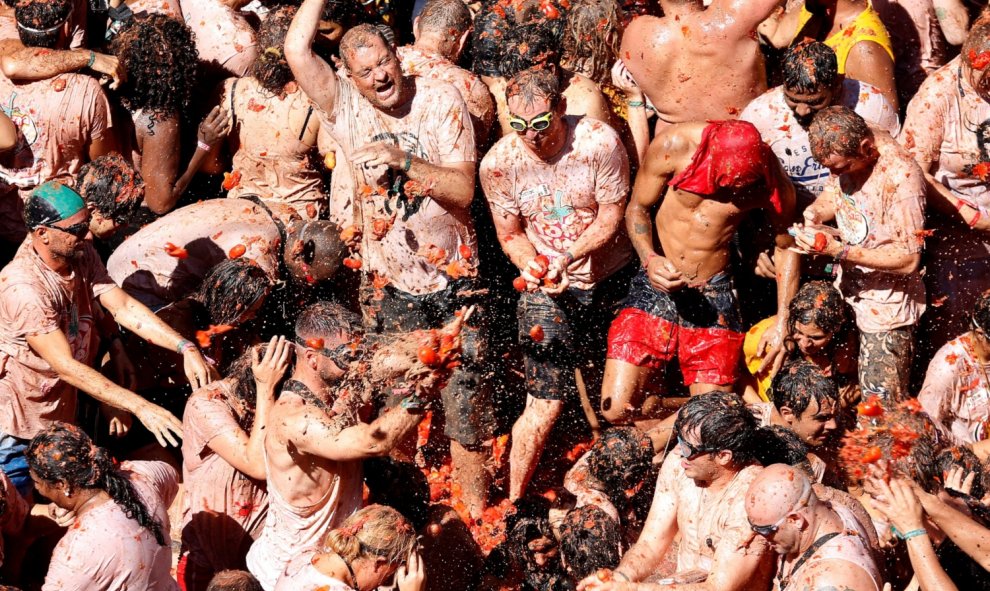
(981, 168)
(395, 180)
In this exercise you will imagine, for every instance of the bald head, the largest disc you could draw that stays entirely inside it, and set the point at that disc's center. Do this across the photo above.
(776, 492)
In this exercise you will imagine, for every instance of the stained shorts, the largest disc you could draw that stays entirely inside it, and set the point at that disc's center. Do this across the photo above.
(466, 398)
(701, 326)
(574, 326)
(885, 363)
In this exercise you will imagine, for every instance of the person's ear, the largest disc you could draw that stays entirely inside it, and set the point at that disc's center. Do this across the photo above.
(723, 457)
(867, 146)
(462, 42)
(787, 413)
(416, 29)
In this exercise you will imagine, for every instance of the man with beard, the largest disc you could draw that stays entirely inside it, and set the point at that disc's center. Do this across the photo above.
(48, 299)
(783, 114)
(408, 145)
(699, 496)
(315, 444)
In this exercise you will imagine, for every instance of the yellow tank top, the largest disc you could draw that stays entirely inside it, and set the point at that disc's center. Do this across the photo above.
(865, 27)
(750, 345)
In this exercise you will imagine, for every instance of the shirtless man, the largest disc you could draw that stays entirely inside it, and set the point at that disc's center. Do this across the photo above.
(816, 541)
(315, 444)
(699, 496)
(697, 63)
(705, 178)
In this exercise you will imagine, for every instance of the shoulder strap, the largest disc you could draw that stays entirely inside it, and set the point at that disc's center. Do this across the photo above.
(302, 132)
(233, 113)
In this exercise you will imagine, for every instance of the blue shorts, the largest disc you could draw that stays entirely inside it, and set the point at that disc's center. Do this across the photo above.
(13, 462)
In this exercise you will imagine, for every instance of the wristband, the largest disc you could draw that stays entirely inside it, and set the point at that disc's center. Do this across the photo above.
(843, 254)
(408, 163)
(616, 573)
(92, 59)
(568, 257)
(203, 145)
(636, 103)
(183, 346)
(914, 533)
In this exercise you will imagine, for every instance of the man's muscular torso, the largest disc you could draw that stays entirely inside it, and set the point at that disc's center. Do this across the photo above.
(695, 64)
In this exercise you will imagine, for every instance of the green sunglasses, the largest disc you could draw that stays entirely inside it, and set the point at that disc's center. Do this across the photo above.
(538, 123)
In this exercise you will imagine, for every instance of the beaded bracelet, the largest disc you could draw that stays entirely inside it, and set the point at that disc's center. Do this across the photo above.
(408, 163)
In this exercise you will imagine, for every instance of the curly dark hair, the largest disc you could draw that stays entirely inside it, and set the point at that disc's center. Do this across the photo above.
(798, 383)
(818, 303)
(44, 17)
(723, 423)
(112, 186)
(162, 63)
(487, 40)
(620, 459)
(589, 541)
(63, 453)
(809, 67)
(270, 67)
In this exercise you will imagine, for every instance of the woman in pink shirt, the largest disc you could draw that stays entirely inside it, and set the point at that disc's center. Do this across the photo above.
(119, 538)
(362, 554)
(223, 466)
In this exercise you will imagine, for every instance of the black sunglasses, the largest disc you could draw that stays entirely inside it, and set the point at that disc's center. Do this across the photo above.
(78, 230)
(694, 451)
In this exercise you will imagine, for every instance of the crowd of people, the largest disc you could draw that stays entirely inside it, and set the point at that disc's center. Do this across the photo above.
(497, 295)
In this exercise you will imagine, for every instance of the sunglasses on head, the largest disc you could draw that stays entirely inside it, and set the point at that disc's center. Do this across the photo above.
(538, 123)
(693, 450)
(78, 230)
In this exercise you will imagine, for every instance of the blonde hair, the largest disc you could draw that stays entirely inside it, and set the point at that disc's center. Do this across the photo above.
(376, 531)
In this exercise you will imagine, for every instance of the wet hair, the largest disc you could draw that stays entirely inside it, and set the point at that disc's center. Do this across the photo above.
(362, 35)
(44, 18)
(63, 453)
(161, 61)
(977, 42)
(620, 459)
(723, 422)
(981, 312)
(531, 523)
(448, 17)
(339, 11)
(591, 37)
(230, 288)
(245, 389)
(375, 531)
(809, 67)
(792, 451)
(488, 42)
(535, 84)
(112, 186)
(234, 580)
(529, 45)
(837, 130)
(589, 541)
(798, 383)
(324, 319)
(400, 485)
(270, 68)
(818, 303)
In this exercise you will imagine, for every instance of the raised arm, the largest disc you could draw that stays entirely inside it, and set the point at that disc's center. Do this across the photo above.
(246, 452)
(37, 63)
(315, 76)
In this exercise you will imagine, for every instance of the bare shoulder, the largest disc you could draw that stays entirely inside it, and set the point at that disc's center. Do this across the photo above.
(835, 575)
(642, 32)
(679, 140)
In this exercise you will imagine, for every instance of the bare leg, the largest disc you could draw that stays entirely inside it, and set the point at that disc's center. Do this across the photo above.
(623, 390)
(468, 471)
(529, 436)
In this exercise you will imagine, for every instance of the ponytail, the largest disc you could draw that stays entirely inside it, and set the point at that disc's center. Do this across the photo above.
(122, 492)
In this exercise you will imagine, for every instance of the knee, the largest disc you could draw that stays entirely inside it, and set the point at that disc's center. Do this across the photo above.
(616, 408)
